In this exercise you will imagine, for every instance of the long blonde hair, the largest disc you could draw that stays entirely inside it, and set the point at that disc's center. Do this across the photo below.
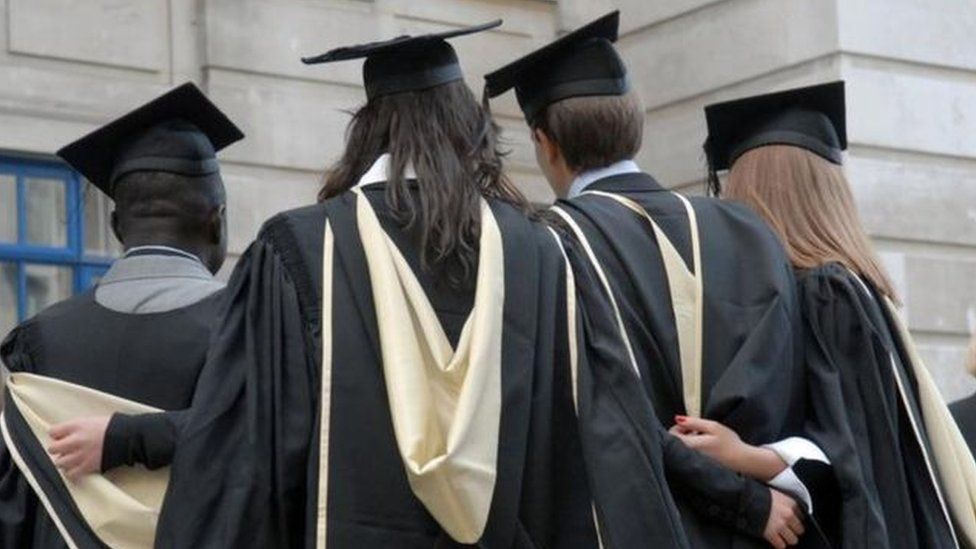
(809, 205)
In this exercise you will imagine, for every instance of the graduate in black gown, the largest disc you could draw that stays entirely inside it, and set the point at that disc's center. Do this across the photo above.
(409, 363)
(132, 346)
(964, 410)
(702, 288)
(905, 475)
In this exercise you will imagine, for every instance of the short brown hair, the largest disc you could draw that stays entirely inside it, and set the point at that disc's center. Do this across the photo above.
(596, 131)
(808, 203)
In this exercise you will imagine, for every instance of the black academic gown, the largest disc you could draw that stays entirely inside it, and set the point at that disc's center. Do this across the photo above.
(857, 417)
(964, 411)
(246, 470)
(751, 380)
(152, 359)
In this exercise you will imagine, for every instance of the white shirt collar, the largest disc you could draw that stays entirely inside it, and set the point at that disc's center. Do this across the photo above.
(170, 249)
(379, 172)
(587, 178)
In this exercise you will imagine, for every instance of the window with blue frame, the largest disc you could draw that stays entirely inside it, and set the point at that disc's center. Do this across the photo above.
(55, 238)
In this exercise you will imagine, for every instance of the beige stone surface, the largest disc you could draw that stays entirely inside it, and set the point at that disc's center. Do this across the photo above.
(271, 37)
(255, 194)
(946, 362)
(39, 91)
(289, 124)
(940, 295)
(931, 32)
(726, 43)
(903, 106)
(915, 197)
(125, 33)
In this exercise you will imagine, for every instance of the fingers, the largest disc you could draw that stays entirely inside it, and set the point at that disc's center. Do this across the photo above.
(62, 430)
(696, 424)
(74, 465)
(75, 473)
(796, 525)
(65, 445)
(695, 442)
(66, 462)
(789, 537)
(776, 541)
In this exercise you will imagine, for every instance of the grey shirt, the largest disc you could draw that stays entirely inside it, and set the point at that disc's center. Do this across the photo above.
(146, 282)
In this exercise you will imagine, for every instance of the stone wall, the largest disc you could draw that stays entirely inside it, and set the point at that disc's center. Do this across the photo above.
(68, 66)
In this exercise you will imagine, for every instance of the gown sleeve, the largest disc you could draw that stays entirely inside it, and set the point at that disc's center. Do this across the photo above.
(146, 439)
(837, 346)
(619, 432)
(713, 491)
(18, 506)
(239, 476)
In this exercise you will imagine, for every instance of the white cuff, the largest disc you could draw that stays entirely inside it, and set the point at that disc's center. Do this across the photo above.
(791, 450)
(788, 482)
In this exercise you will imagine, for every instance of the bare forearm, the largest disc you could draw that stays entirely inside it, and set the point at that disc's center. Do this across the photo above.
(758, 462)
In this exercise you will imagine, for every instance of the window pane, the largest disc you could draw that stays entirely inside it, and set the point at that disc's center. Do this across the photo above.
(8, 298)
(99, 239)
(46, 212)
(90, 276)
(8, 208)
(46, 285)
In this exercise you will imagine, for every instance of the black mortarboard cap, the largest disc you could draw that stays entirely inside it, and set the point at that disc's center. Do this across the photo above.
(178, 132)
(405, 63)
(581, 63)
(812, 118)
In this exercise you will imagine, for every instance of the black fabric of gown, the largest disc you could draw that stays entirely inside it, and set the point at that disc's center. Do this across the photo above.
(153, 359)
(752, 378)
(965, 413)
(245, 472)
(858, 418)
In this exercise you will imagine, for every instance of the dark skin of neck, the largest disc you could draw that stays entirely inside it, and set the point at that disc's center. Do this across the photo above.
(208, 244)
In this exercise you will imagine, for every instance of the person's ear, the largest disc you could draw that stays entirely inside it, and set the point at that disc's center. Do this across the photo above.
(217, 224)
(116, 227)
(545, 145)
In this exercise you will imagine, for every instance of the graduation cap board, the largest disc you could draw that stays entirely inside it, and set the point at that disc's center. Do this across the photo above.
(581, 63)
(178, 132)
(405, 63)
(812, 118)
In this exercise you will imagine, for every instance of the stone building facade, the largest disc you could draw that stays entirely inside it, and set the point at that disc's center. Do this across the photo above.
(67, 66)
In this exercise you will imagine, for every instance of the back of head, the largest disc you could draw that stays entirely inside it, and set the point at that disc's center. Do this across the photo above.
(594, 131)
(161, 208)
(452, 144)
(575, 90)
(808, 203)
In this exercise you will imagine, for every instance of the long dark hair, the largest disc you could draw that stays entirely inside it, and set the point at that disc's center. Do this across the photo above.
(452, 144)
